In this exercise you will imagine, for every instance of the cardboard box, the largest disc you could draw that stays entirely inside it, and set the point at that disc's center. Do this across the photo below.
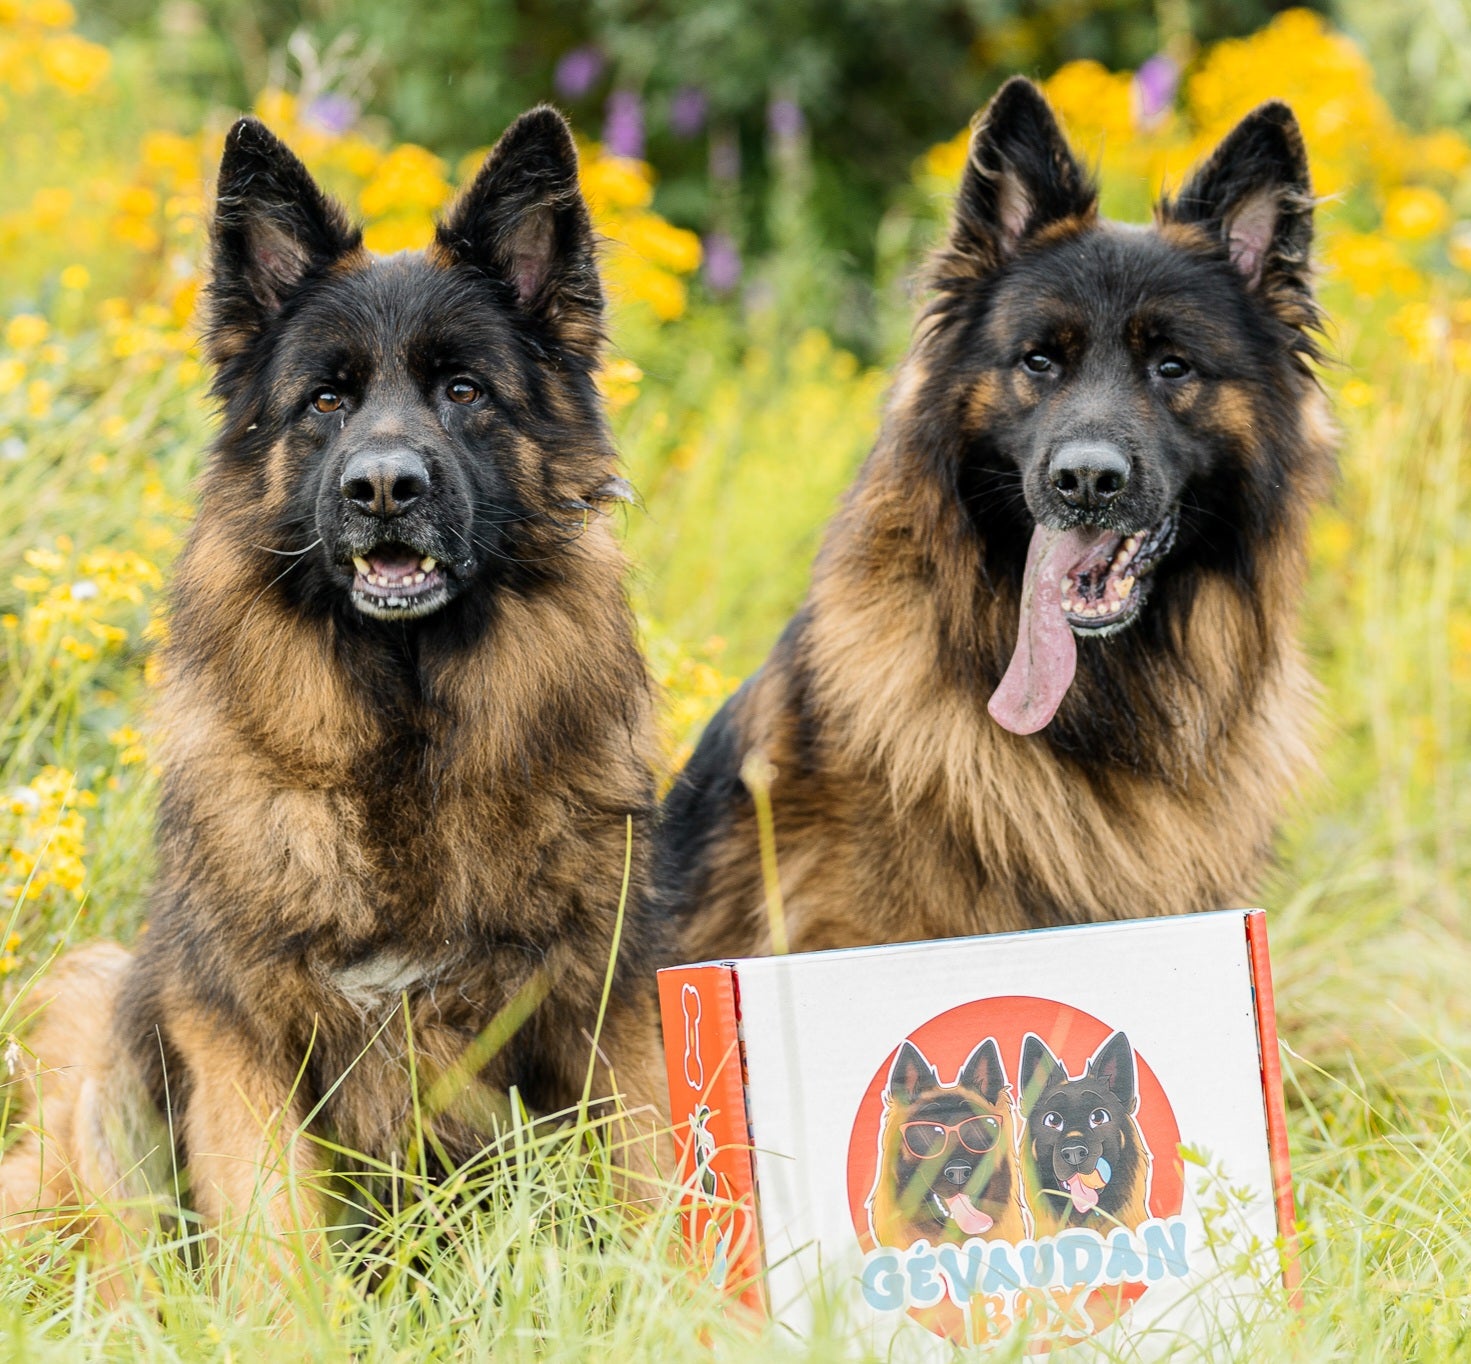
(1077, 1128)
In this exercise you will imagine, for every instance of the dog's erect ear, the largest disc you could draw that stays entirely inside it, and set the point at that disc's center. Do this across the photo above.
(1113, 1065)
(983, 1071)
(524, 222)
(1020, 177)
(273, 230)
(910, 1074)
(1256, 195)
(1040, 1069)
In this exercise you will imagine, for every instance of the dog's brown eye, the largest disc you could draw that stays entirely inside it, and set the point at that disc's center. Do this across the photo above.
(1172, 367)
(327, 400)
(1098, 1117)
(1037, 362)
(1053, 1120)
(462, 391)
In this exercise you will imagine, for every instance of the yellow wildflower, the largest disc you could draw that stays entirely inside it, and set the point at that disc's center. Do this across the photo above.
(1412, 212)
(51, 13)
(615, 183)
(401, 232)
(25, 330)
(407, 178)
(618, 381)
(73, 64)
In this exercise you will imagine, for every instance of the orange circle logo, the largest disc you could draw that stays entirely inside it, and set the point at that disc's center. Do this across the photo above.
(1015, 1160)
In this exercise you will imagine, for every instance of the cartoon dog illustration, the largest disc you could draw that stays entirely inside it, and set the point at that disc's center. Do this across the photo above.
(1084, 1162)
(947, 1154)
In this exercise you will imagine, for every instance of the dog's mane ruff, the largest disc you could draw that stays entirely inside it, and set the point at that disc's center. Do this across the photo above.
(896, 601)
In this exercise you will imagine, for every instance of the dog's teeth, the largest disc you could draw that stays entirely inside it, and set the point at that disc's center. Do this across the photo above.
(362, 566)
(1132, 543)
(427, 563)
(1126, 585)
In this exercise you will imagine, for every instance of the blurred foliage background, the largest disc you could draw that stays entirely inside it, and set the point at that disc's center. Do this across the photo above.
(708, 90)
(767, 179)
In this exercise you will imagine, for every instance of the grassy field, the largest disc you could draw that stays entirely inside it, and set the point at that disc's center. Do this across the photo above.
(740, 428)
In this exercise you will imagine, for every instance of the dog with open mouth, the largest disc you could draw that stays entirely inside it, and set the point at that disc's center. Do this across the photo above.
(947, 1169)
(406, 731)
(1047, 669)
(1084, 1161)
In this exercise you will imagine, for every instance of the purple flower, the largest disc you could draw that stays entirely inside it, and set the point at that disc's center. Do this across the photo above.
(623, 124)
(1155, 83)
(578, 72)
(722, 267)
(687, 111)
(331, 113)
(784, 119)
(725, 159)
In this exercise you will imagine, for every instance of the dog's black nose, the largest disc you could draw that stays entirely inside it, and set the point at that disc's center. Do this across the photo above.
(957, 1172)
(1088, 474)
(1073, 1155)
(384, 483)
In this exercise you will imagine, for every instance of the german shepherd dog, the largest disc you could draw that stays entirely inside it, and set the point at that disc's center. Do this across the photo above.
(1085, 513)
(947, 1167)
(1084, 1162)
(406, 724)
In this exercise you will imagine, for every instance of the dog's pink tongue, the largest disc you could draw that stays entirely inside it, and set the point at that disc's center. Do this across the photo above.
(1046, 654)
(971, 1220)
(1085, 1198)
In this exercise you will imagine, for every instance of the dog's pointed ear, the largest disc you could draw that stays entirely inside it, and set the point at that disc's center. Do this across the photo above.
(1255, 194)
(1113, 1065)
(523, 221)
(273, 230)
(1020, 176)
(983, 1071)
(1040, 1069)
(910, 1074)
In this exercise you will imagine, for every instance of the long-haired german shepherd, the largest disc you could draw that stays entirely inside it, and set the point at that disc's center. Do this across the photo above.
(1085, 514)
(947, 1167)
(1084, 1162)
(405, 719)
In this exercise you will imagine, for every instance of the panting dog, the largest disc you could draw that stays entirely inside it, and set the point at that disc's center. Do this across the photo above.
(405, 723)
(947, 1169)
(1047, 669)
(1084, 1162)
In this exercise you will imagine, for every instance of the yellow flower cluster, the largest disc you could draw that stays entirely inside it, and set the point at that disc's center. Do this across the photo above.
(133, 231)
(37, 50)
(649, 256)
(74, 603)
(398, 190)
(43, 846)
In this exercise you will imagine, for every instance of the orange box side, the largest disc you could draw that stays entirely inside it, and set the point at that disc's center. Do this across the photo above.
(707, 1104)
(1277, 1146)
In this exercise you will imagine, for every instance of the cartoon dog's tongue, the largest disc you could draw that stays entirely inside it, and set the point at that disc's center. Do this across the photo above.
(1046, 654)
(1085, 1198)
(971, 1220)
(1083, 1189)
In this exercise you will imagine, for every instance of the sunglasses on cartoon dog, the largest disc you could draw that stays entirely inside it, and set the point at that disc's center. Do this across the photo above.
(926, 1140)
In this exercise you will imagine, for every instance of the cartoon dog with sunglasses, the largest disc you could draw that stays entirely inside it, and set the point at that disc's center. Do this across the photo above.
(948, 1154)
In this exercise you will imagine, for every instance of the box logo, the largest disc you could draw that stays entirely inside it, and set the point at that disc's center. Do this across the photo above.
(1015, 1160)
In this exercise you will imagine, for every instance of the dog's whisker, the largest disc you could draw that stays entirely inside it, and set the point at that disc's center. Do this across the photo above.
(266, 549)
